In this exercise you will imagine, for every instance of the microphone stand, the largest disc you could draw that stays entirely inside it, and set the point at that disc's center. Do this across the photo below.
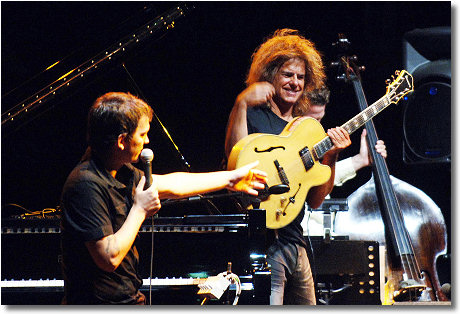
(185, 165)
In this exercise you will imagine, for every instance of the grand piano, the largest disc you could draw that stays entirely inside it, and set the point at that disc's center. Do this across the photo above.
(186, 251)
(186, 248)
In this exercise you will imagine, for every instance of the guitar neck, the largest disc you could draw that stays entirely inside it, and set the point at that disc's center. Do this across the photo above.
(353, 124)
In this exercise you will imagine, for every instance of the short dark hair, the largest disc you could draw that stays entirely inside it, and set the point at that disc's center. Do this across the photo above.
(319, 96)
(113, 114)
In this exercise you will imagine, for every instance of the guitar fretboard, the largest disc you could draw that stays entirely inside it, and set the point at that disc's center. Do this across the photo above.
(359, 120)
(353, 124)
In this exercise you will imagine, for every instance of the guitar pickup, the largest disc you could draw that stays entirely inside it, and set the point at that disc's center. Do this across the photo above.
(307, 158)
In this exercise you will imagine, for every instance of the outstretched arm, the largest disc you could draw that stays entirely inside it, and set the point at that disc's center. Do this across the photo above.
(109, 251)
(183, 184)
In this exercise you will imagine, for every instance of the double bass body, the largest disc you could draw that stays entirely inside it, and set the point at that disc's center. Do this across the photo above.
(425, 226)
(394, 213)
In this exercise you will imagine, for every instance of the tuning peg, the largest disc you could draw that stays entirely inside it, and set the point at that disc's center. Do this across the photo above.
(362, 68)
(342, 78)
(397, 72)
(387, 81)
(354, 58)
(342, 42)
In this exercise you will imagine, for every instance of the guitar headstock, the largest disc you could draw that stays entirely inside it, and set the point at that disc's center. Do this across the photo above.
(402, 85)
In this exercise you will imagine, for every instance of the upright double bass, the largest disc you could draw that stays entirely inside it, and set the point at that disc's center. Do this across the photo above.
(397, 214)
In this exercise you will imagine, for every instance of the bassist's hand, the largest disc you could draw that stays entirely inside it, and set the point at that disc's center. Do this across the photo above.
(363, 159)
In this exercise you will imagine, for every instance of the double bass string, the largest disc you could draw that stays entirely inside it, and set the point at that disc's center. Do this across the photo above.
(404, 245)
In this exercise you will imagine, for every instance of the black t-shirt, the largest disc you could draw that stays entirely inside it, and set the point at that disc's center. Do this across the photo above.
(95, 205)
(263, 120)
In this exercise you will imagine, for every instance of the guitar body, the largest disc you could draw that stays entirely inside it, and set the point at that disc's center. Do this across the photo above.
(282, 209)
(292, 159)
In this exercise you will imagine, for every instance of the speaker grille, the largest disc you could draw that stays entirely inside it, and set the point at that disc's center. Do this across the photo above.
(427, 123)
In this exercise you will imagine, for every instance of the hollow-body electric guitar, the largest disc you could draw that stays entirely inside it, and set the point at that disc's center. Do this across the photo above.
(292, 158)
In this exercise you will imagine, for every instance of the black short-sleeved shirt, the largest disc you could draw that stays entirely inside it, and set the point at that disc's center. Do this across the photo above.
(263, 120)
(95, 205)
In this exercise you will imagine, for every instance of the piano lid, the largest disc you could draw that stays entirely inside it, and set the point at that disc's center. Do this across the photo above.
(63, 74)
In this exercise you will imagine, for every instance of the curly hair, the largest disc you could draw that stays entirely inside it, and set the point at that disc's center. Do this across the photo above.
(283, 45)
(113, 114)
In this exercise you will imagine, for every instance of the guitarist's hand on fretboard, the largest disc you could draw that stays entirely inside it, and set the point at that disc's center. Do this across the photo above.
(340, 138)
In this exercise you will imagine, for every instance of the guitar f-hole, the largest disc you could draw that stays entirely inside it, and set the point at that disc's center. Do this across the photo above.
(291, 199)
(269, 149)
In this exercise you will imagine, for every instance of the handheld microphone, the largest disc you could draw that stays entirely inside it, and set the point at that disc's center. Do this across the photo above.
(147, 157)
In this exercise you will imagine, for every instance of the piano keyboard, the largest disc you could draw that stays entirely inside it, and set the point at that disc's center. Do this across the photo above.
(155, 282)
(144, 229)
(237, 238)
(31, 283)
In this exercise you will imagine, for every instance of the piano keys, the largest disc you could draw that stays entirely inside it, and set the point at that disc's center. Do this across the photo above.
(13, 291)
(58, 284)
(185, 249)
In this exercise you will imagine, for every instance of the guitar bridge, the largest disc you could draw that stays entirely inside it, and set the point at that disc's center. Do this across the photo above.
(281, 173)
(307, 158)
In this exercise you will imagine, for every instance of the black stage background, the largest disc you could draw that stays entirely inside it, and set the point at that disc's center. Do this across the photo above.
(190, 77)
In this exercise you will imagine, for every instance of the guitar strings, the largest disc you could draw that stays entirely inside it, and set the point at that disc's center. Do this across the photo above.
(293, 165)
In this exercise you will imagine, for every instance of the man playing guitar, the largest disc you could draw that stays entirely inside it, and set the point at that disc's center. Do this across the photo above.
(284, 69)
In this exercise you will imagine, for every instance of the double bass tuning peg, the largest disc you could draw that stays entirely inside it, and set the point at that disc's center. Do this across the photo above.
(334, 64)
(387, 81)
(341, 78)
(397, 72)
(354, 59)
(342, 42)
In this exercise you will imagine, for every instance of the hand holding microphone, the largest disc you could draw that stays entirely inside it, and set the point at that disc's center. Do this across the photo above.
(147, 157)
(146, 196)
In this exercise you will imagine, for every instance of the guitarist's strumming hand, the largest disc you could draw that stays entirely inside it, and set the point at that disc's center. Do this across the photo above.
(256, 94)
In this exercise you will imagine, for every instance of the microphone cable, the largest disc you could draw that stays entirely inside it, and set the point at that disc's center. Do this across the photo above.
(151, 265)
